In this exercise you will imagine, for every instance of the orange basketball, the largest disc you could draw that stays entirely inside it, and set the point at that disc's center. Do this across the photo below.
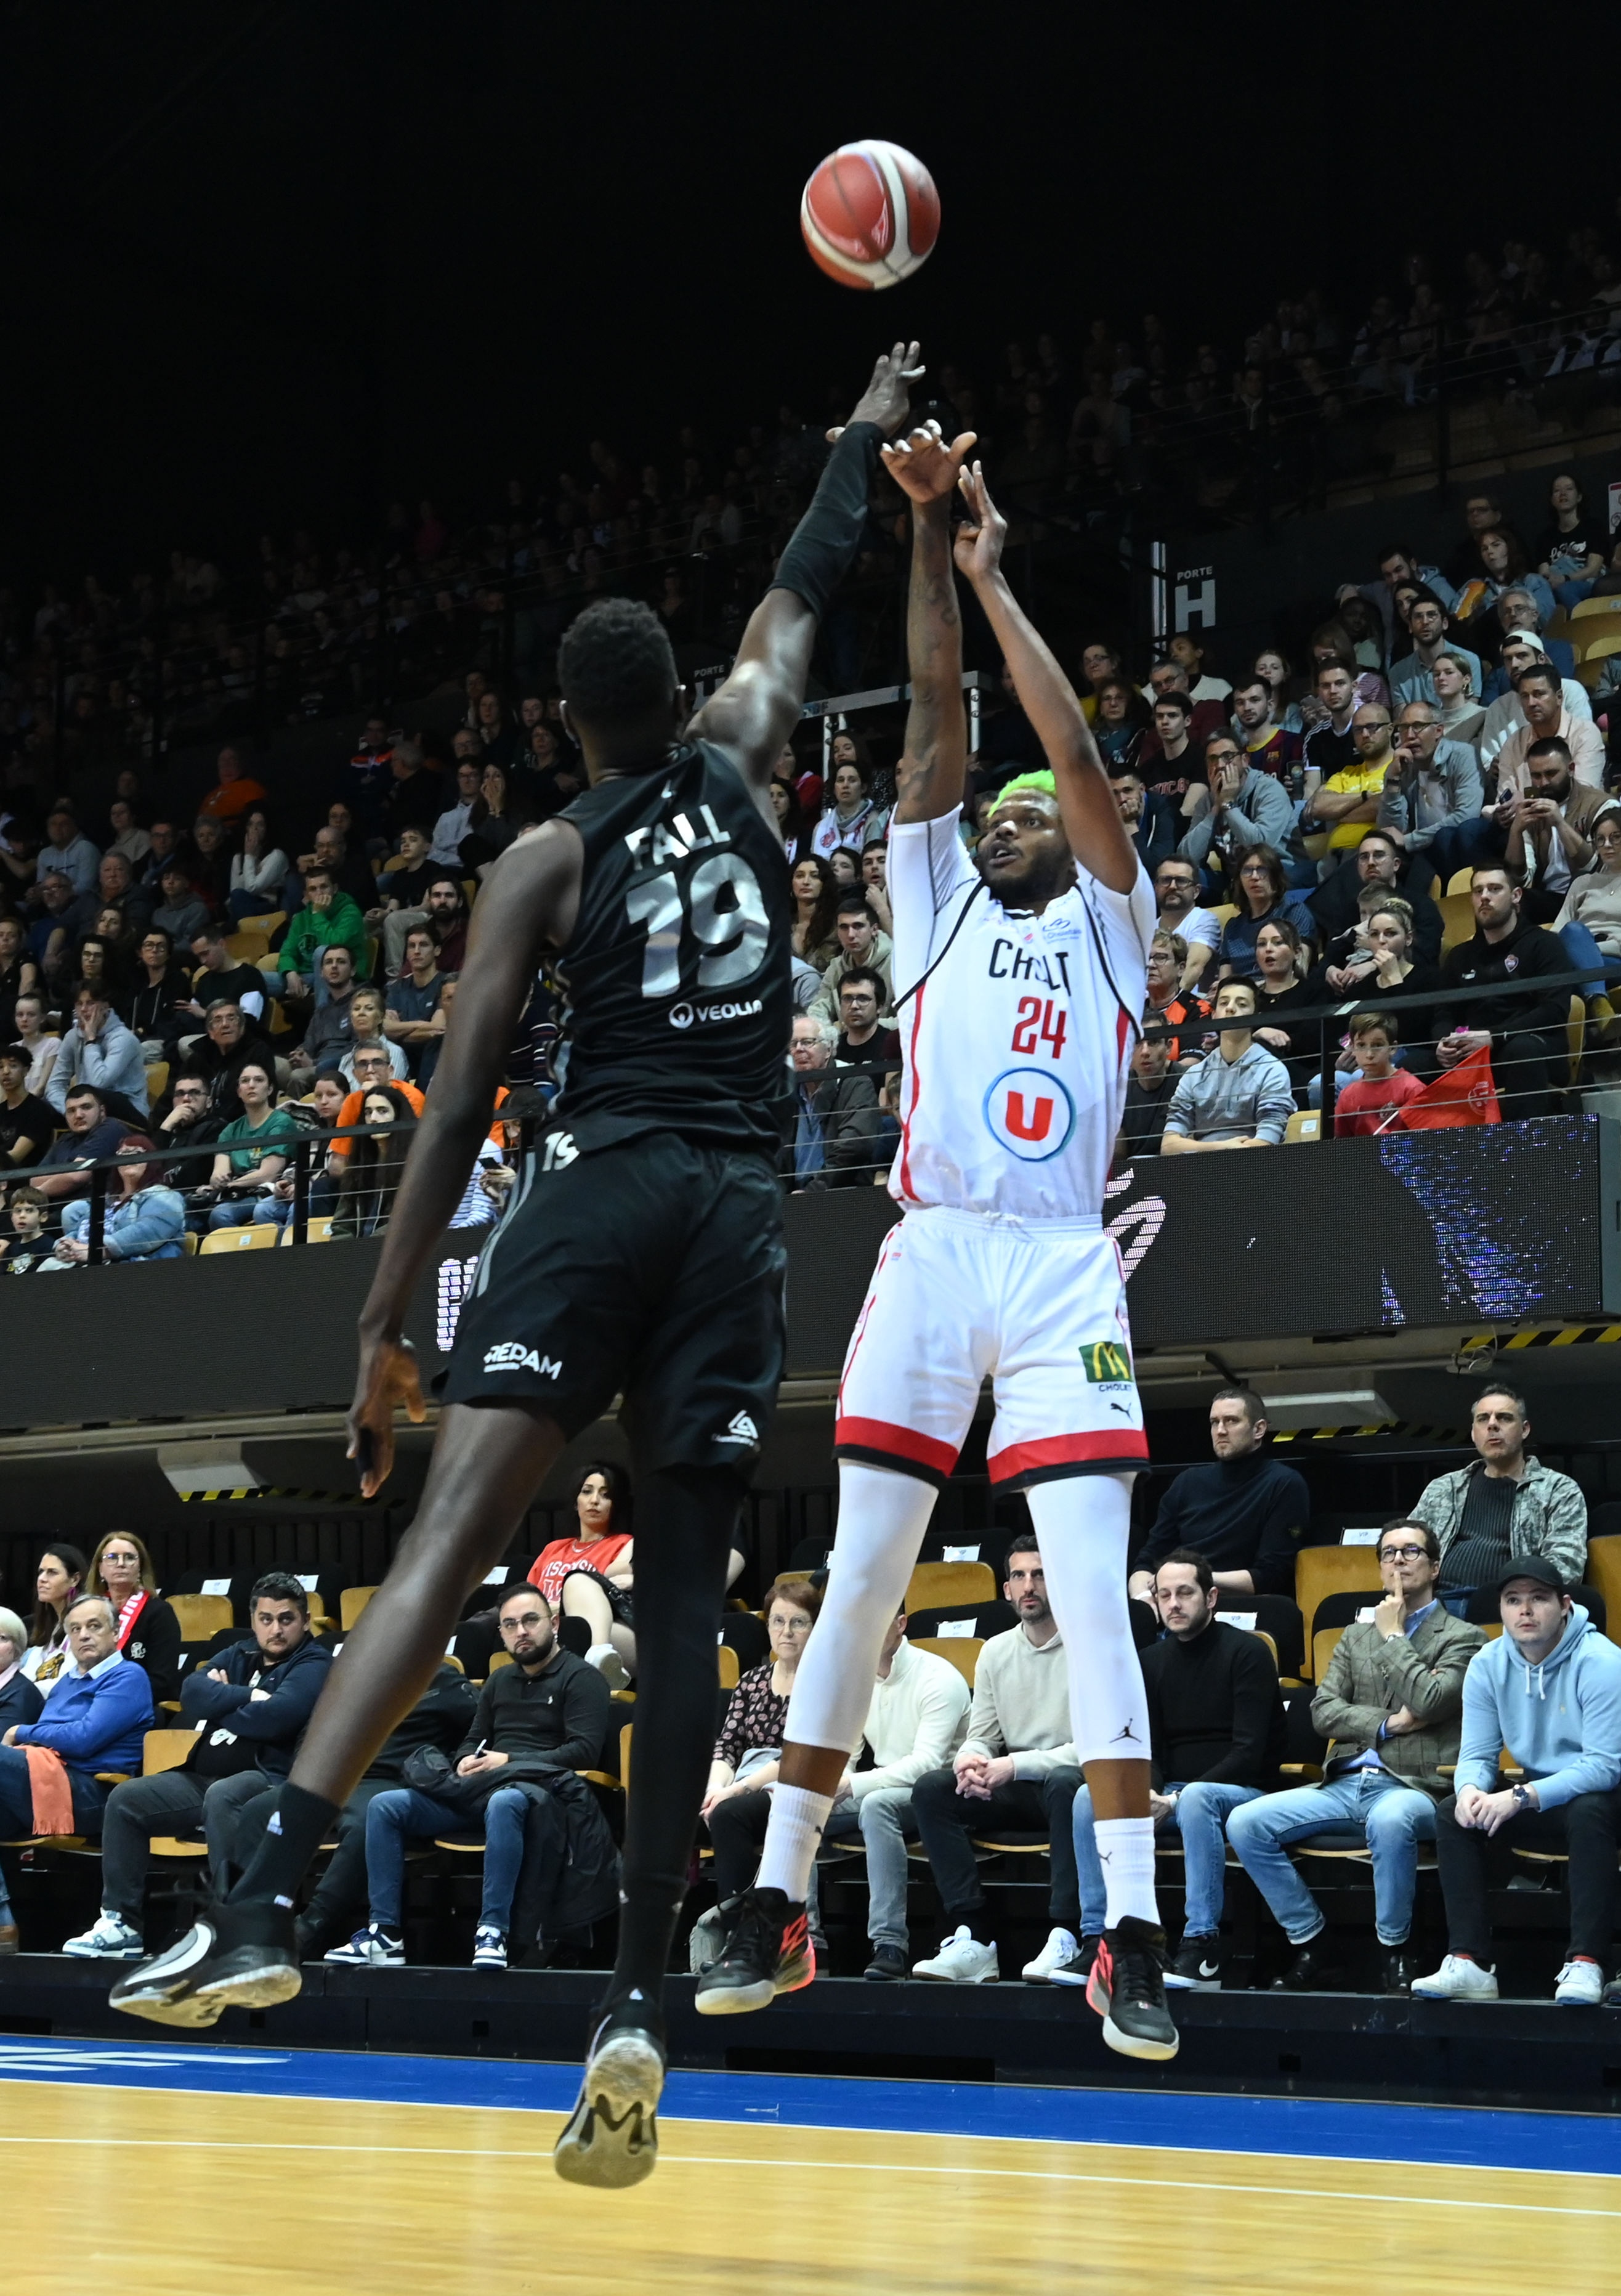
(870, 214)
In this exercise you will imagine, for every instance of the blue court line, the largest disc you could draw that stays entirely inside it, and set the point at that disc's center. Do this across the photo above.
(1302, 2127)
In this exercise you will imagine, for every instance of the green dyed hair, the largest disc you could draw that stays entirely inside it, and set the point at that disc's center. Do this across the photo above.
(1037, 785)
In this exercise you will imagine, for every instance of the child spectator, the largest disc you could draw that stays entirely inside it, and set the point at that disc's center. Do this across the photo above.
(1365, 1106)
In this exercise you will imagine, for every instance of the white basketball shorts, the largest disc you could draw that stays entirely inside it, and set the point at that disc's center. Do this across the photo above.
(1038, 1305)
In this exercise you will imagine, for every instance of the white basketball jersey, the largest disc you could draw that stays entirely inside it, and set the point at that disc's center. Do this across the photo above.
(1016, 1040)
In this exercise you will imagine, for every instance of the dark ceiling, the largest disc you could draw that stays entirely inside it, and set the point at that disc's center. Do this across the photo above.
(274, 261)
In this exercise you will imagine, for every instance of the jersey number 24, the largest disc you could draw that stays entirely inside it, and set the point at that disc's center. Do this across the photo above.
(733, 937)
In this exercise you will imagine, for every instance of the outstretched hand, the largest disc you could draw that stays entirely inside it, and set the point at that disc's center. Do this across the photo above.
(923, 466)
(977, 547)
(388, 1377)
(886, 399)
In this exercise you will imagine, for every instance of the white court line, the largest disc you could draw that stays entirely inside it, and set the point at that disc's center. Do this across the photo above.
(875, 2168)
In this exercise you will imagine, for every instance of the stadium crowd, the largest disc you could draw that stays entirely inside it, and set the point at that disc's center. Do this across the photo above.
(1459, 1707)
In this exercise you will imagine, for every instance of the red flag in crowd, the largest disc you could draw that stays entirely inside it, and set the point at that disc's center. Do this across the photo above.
(1466, 1093)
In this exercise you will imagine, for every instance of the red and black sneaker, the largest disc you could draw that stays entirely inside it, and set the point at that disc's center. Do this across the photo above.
(766, 1951)
(1126, 1987)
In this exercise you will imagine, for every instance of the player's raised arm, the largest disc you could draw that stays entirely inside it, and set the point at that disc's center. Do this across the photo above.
(930, 776)
(1091, 819)
(754, 712)
(527, 906)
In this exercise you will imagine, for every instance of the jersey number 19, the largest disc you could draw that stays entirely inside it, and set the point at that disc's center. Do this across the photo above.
(721, 906)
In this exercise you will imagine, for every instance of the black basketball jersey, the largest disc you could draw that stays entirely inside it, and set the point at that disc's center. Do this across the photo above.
(677, 978)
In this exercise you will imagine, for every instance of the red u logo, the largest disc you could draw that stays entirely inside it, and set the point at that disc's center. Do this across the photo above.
(1033, 1127)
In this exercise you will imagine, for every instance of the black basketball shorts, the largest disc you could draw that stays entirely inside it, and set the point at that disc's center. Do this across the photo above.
(652, 1270)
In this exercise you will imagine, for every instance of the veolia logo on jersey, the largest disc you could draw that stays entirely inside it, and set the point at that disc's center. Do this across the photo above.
(1030, 1112)
(683, 1015)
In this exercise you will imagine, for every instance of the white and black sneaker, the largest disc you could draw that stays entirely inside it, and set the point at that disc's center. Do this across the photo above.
(233, 1957)
(489, 1948)
(372, 1947)
(612, 2137)
(1195, 1966)
(108, 1938)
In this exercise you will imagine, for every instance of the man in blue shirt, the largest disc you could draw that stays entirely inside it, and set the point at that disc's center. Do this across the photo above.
(95, 1718)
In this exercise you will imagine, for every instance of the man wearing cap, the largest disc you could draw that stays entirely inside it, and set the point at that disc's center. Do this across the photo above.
(1517, 610)
(1544, 713)
(1552, 1690)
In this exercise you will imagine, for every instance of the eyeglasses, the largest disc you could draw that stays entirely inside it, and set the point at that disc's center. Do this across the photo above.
(1402, 1554)
(1369, 725)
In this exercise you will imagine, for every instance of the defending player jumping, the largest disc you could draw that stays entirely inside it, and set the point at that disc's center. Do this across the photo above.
(641, 1253)
(1024, 973)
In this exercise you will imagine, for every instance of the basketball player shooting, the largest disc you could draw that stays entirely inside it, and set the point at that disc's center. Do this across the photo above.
(641, 1253)
(1027, 971)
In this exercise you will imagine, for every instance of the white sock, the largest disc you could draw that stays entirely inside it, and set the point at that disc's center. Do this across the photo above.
(797, 1817)
(1126, 1851)
(881, 1520)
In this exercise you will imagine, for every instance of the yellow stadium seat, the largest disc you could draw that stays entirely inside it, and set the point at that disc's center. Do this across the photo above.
(315, 1231)
(201, 1615)
(499, 1658)
(351, 1602)
(1459, 880)
(250, 947)
(1604, 1572)
(1457, 918)
(156, 1080)
(258, 1235)
(1324, 1646)
(1223, 912)
(1323, 1571)
(961, 1650)
(730, 1670)
(950, 1586)
(1595, 606)
(1576, 1037)
(188, 1245)
(165, 1749)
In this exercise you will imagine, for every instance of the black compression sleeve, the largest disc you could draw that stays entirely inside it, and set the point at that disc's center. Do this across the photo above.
(825, 539)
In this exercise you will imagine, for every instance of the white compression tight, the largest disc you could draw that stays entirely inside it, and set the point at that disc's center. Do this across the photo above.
(1084, 1524)
(881, 1520)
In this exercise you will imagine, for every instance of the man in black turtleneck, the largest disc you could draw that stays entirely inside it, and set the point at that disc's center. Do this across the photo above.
(1215, 1733)
(1246, 1514)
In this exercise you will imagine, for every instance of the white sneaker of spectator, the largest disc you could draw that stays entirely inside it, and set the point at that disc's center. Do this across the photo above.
(109, 1937)
(961, 1960)
(1579, 1985)
(372, 1947)
(1061, 1951)
(610, 1665)
(1458, 1978)
(489, 1948)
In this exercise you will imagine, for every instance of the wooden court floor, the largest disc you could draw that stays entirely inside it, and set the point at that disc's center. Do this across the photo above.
(144, 2193)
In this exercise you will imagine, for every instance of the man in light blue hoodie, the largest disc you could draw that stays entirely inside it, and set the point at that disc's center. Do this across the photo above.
(1551, 1691)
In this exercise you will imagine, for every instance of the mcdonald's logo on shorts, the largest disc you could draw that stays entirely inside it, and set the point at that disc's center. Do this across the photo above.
(1107, 1363)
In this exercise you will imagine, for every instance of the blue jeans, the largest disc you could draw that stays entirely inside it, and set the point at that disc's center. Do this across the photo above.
(883, 1820)
(244, 1211)
(402, 1812)
(1390, 1817)
(1202, 1810)
(1580, 947)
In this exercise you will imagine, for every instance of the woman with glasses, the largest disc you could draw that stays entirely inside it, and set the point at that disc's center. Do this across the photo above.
(1258, 885)
(748, 1749)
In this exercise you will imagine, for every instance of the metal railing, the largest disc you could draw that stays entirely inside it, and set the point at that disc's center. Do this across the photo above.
(1375, 999)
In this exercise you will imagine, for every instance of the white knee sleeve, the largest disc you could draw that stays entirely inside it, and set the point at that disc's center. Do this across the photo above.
(881, 1520)
(1083, 1523)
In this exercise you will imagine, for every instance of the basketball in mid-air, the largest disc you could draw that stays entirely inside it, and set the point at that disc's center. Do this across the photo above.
(870, 214)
